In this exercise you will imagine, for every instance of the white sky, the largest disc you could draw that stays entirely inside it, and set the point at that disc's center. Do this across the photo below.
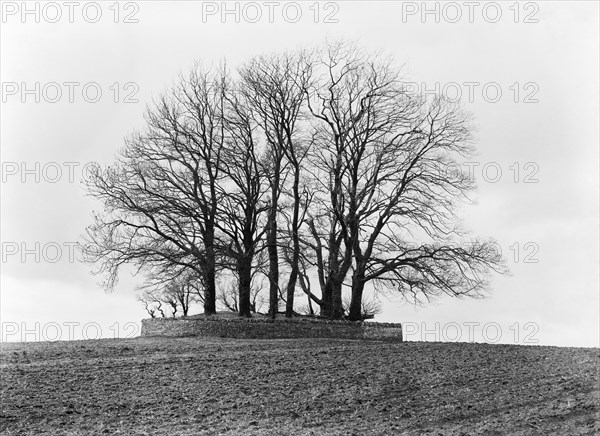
(554, 63)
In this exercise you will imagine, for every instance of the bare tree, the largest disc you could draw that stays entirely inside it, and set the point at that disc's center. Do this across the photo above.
(327, 220)
(228, 294)
(242, 191)
(388, 208)
(369, 308)
(149, 304)
(275, 88)
(152, 300)
(327, 160)
(183, 293)
(161, 197)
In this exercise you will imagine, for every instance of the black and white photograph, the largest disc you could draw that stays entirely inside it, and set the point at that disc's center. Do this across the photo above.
(300, 217)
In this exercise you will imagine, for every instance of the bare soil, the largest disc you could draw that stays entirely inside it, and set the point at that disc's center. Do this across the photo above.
(194, 386)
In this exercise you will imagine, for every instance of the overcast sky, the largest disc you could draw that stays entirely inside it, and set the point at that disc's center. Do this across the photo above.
(528, 73)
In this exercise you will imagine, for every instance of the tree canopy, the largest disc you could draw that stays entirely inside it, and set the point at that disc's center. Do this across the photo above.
(323, 160)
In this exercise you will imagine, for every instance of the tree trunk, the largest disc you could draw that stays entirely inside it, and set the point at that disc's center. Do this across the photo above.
(326, 299)
(272, 235)
(331, 306)
(210, 288)
(244, 270)
(311, 311)
(337, 310)
(210, 292)
(358, 286)
(273, 262)
(291, 287)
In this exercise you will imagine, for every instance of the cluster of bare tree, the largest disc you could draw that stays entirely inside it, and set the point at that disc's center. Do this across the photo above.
(172, 298)
(177, 297)
(303, 167)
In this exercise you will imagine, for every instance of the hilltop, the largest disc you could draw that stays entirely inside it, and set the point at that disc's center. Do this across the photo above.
(191, 386)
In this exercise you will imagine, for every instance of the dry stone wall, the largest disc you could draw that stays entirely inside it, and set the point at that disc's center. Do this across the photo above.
(270, 329)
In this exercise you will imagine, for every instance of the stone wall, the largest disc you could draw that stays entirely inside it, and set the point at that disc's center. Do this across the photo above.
(280, 328)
